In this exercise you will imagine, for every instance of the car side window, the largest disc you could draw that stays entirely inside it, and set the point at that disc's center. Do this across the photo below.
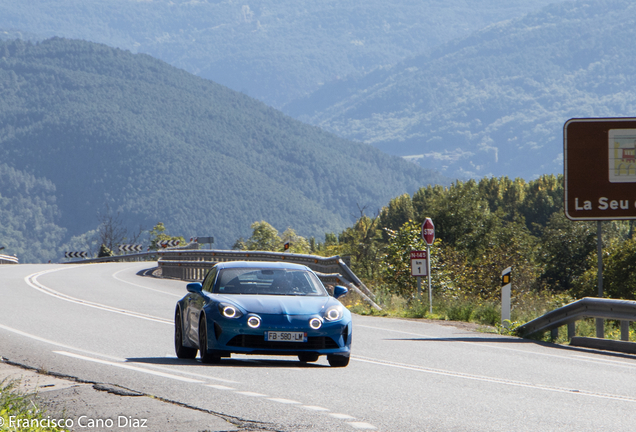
(209, 280)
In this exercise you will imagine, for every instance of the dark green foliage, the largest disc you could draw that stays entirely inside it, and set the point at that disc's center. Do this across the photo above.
(105, 126)
(564, 252)
(104, 251)
(397, 213)
(28, 216)
(619, 275)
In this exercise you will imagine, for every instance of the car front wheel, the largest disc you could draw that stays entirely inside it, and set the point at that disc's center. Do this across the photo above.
(338, 360)
(206, 356)
(308, 358)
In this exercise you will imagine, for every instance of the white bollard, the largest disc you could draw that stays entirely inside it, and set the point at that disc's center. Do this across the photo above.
(506, 283)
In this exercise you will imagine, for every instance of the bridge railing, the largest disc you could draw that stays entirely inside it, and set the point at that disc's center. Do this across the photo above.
(588, 307)
(8, 259)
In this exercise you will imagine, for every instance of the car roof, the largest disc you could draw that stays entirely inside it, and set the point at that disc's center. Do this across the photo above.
(261, 264)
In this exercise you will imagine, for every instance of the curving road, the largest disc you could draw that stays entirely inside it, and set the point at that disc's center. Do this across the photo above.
(109, 323)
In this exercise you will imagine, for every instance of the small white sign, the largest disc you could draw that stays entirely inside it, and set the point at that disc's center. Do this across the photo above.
(418, 263)
(418, 268)
(622, 155)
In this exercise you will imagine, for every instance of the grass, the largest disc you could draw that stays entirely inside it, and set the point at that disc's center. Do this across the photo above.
(525, 307)
(20, 405)
(587, 328)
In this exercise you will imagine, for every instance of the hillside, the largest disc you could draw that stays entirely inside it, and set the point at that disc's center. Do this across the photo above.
(493, 103)
(99, 127)
(275, 51)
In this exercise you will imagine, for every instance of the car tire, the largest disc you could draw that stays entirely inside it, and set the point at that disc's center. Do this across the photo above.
(308, 358)
(338, 360)
(206, 355)
(183, 352)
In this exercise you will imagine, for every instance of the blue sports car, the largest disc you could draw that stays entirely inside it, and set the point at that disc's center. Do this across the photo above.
(262, 308)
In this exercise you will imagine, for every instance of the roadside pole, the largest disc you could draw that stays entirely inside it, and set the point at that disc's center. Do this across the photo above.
(430, 291)
(506, 286)
(600, 322)
(428, 234)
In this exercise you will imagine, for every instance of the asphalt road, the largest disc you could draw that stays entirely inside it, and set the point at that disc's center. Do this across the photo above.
(107, 323)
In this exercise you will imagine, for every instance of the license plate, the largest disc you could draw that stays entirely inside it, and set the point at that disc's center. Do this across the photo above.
(283, 336)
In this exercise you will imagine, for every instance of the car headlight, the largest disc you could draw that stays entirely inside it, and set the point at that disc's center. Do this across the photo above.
(229, 311)
(334, 313)
(254, 321)
(315, 323)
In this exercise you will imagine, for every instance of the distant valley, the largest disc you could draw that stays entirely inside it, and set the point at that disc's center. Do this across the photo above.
(85, 128)
(493, 103)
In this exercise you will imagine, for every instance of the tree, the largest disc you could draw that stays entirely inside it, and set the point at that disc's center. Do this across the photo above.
(158, 234)
(104, 252)
(564, 250)
(397, 213)
(111, 231)
(544, 197)
(363, 243)
(297, 244)
(264, 238)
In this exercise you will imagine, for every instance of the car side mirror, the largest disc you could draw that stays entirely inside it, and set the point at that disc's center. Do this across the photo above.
(194, 287)
(339, 291)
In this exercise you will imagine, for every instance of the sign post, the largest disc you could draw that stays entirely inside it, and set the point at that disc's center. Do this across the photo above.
(506, 284)
(419, 267)
(208, 240)
(599, 158)
(428, 234)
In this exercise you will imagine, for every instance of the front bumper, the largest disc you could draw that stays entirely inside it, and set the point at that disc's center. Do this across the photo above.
(235, 336)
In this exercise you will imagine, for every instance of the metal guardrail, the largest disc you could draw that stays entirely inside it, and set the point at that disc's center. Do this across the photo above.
(192, 265)
(588, 307)
(8, 259)
(142, 256)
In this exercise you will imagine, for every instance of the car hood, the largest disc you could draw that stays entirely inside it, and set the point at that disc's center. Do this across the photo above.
(288, 305)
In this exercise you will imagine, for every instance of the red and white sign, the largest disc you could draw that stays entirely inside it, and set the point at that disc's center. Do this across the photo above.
(428, 231)
(419, 266)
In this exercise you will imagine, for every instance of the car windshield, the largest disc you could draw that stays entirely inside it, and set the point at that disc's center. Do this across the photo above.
(268, 282)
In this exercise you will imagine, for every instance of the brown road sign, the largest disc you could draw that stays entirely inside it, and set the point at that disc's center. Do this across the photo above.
(600, 168)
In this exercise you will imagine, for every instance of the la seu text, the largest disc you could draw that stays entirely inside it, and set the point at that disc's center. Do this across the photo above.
(603, 204)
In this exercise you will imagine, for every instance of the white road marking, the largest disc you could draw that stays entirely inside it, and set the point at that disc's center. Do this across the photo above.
(32, 281)
(314, 408)
(361, 425)
(284, 401)
(40, 339)
(127, 366)
(487, 345)
(342, 416)
(118, 359)
(219, 387)
(252, 394)
(493, 380)
(144, 287)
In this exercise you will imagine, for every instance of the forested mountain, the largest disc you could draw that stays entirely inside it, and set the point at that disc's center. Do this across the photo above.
(274, 50)
(493, 103)
(85, 127)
